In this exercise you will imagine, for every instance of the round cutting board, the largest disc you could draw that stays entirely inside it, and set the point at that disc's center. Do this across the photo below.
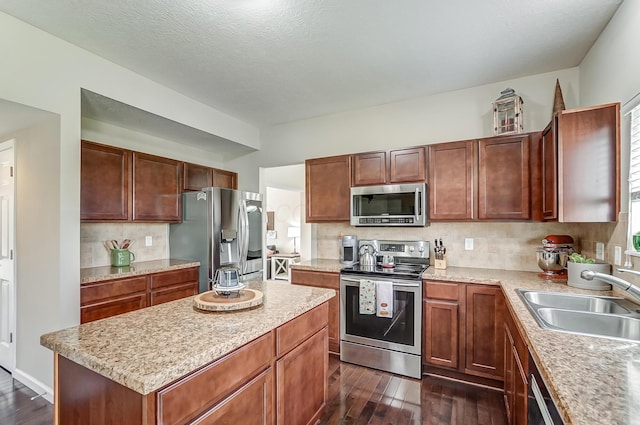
(211, 301)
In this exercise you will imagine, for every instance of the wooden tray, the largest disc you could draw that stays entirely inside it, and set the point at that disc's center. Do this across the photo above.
(211, 301)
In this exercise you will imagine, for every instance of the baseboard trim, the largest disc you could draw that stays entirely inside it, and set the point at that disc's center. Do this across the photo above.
(34, 384)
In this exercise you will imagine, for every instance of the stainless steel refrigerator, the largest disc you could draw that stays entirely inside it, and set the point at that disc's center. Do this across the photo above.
(220, 227)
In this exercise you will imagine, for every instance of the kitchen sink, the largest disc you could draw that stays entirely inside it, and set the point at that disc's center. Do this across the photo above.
(576, 302)
(608, 317)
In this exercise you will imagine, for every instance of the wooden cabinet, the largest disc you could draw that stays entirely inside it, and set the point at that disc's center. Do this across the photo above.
(225, 179)
(581, 165)
(324, 280)
(157, 188)
(484, 331)
(328, 189)
(504, 178)
(393, 166)
(105, 183)
(108, 298)
(452, 176)
(369, 168)
(441, 324)
(462, 329)
(195, 177)
(516, 370)
(407, 165)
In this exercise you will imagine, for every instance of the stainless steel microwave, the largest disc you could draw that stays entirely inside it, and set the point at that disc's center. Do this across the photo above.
(389, 205)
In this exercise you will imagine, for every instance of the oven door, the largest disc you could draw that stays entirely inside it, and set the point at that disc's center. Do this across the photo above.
(541, 410)
(400, 333)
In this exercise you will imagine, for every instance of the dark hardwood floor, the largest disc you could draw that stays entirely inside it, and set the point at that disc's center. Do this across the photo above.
(16, 406)
(357, 395)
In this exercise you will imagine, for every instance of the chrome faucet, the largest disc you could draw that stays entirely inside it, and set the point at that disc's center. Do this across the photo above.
(620, 283)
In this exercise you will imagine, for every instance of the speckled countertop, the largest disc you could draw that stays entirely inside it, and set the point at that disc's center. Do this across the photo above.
(592, 380)
(319, 264)
(97, 274)
(149, 348)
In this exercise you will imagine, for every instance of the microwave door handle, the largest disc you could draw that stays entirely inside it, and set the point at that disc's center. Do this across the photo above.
(418, 203)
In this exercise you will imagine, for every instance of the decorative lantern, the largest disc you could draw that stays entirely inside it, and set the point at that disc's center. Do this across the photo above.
(507, 113)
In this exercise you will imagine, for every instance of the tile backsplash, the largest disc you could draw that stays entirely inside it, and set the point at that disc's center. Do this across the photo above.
(92, 236)
(504, 245)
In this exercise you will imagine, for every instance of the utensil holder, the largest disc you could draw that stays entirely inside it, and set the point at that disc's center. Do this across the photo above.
(440, 264)
(121, 257)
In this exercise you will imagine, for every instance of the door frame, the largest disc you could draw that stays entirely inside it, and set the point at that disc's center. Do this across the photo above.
(10, 145)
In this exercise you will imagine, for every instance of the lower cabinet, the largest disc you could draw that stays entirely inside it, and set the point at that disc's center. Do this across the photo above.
(462, 330)
(107, 298)
(516, 367)
(324, 280)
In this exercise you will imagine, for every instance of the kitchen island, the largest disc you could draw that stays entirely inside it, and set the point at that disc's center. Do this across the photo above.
(172, 364)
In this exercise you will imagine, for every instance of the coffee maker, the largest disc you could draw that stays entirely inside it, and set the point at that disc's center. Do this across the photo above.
(349, 249)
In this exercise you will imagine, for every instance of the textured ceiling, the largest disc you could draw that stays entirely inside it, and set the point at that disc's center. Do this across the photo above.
(274, 61)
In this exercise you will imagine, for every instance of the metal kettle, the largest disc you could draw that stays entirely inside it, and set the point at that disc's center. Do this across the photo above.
(367, 255)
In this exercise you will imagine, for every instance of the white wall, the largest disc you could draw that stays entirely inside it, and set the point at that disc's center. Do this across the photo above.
(44, 72)
(445, 117)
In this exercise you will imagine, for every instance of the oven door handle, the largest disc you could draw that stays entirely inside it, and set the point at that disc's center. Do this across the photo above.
(542, 406)
(407, 285)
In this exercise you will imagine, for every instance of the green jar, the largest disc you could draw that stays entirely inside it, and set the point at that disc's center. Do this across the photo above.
(121, 257)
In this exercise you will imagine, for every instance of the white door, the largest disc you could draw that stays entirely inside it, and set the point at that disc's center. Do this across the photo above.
(7, 274)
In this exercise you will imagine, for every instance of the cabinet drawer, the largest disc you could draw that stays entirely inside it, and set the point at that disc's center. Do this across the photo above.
(174, 277)
(96, 292)
(319, 279)
(112, 307)
(441, 290)
(292, 333)
(191, 396)
(173, 293)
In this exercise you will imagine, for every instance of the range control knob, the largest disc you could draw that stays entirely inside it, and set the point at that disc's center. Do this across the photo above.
(412, 248)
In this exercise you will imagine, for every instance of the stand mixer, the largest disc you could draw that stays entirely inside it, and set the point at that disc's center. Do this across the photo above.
(553, 255)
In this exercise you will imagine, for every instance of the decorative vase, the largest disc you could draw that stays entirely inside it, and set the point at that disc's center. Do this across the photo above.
(575, 269)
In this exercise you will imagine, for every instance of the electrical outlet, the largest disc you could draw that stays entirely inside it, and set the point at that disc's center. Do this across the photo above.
(599, 251)
(617, 256)
(148, 241)
(468, 244)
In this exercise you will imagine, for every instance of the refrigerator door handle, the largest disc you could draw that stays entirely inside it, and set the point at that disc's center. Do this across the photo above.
(243, 236)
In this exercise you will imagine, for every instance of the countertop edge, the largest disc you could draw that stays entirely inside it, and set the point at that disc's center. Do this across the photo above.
(162, 266)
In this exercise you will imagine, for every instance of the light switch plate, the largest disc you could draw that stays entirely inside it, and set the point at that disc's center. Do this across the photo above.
(468, 244)
(617, 256)
(599, 251)
(148, 241)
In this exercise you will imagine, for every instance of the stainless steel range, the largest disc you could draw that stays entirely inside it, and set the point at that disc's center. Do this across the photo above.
(386, 340)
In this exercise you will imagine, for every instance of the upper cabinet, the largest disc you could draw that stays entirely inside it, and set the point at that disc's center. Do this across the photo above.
(105, 190)
(328, 189)
(451, 180)
(393, 166)
(486, 179)
(581, 165)
(504, 178)
(195, 177)
(157, 188)
(121, 185)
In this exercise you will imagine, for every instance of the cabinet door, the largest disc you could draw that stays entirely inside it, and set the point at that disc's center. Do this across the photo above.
(589, 164)
(451, 181)
(369, 168)
(195, 177)
(328, 184)
(156, 188)
(105, 181)
(250, 405)
(302, 381)
(484, 331)
(509, 382)
(549, 173)
(407, 165)
(520, 396)
(441, 333)
(225, 179)
(504, 178)
(324, 280)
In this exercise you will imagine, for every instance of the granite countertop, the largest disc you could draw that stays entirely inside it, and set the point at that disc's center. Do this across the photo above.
(592, 380)
(149, 348)
(97, 274)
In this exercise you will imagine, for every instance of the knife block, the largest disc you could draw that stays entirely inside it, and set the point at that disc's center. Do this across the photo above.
(440, 264)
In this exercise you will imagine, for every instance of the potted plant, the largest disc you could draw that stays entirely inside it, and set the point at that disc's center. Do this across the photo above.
(578, 263)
